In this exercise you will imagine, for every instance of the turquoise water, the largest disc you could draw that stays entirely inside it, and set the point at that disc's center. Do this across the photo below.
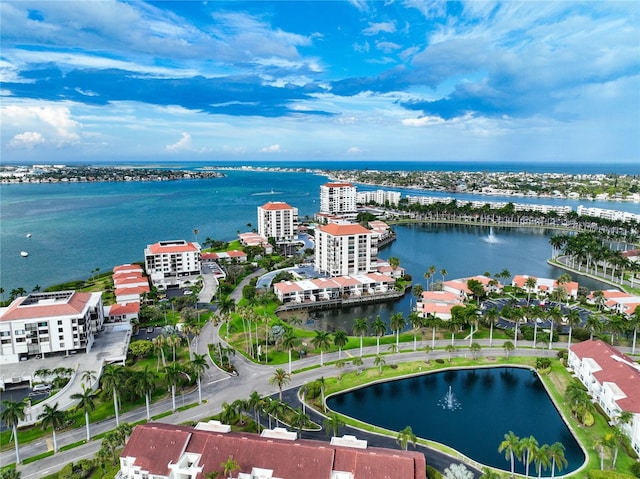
(78, 227)
(487, 404)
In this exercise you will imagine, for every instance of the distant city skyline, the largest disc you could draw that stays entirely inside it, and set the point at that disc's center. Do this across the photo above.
(410, 80)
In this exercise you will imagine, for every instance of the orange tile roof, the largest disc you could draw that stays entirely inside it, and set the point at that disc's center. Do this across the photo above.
(118, 309)
(73, 307)
(276, 205)
(133, 290)
(337, 185)
(337, 229)
(165, 247)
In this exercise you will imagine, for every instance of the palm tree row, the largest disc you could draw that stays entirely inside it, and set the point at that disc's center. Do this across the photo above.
(529, 451)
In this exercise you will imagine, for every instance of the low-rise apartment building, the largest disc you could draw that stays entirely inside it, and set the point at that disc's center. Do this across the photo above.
(44, 323)
(612, 379)
(164, 451)
(172, 263)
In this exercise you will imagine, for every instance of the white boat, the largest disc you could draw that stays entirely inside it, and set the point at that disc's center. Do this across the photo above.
(24, 254)
(28, 235)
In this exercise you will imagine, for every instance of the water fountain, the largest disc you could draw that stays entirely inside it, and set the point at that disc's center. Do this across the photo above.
(449, 401)
(492, 238)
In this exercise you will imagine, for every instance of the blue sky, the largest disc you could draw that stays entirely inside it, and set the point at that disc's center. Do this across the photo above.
(332, 80)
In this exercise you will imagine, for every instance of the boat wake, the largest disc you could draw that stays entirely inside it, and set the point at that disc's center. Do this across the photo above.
(265, 193)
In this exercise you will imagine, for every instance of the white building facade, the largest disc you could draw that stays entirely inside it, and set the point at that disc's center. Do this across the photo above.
(613, 381)
(380, 197)
(344, 249)
(278, 220)
(172, 263)
(339, 199)
(42, 323)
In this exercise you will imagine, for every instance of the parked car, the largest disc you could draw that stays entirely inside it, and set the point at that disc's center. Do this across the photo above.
(41, 388)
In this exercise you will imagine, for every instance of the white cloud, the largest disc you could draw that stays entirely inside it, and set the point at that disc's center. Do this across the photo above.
(423, 121)
(56, 120)
(270, 149)
(375, 28)
(28, 139)
(355, 150)
(183, 144)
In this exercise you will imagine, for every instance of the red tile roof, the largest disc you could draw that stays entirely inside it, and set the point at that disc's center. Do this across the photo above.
(155, 445)
(337, 185)
(338, 229)
(118, 309)
(164, 247)
(616, 368)
(276, 205)
(74, 306)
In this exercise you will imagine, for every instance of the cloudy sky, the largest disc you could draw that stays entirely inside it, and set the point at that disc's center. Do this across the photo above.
(320, 80)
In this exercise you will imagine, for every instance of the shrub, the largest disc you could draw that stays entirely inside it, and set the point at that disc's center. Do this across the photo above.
(635, 469)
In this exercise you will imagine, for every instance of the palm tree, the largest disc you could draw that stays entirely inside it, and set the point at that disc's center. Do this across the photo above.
(280, 379)
(433, 322)
(594, 324)
(528, 446)
(299, 420)
(159, 343)
(634, 322)
(555, 314)
(556, 453)
(322, 384)
(86, 401)
(511, 448)
(360, 328)
(405, 437)
(332, 424)
(230, 466)
(254, 402)
(416, 323)
(379, 361)
(111, 378)
(54, 417)
(491, 317)
(450, 348)
(378, 328)
(541, 458)
(12, 413)
(199, 365)
(508, 347)
(397, 324)
(530, 284)
(573, 319)
(172, 376)
(340, 339)
(357, 362)
(88, 377)
(145, 383)
(321, 340)
(289, 341)
(228, 414)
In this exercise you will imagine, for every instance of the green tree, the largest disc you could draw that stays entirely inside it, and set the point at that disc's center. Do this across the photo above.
(508, 347)
(172, 376)
(397, 323)
(112, 377)
(280, 379)
(475, 350)
(145, 384)
(528, 446)
(405, 437)
(360, 328)
(416, 323)
(379, 361)
(491, 317)
(12, 413)
(321, 340)
(340, 339)
(332, 424)
(511, 448)
(198, 366)
(556, 453)
(289, 341)
(299, 420)
(357, 362)
(450, 348)
(378, 328)
(230, 466)
(541, 458)
(54, 417)
(87, 402)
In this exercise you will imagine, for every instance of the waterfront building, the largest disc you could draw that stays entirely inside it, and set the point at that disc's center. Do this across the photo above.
(493, 205)
(438, 304)
(613, 215)
(379, 197)
(278, 220)
(616, 301)
(545, 286)
(460, 288)
(326, 289)
(165, 451)
(339, 199)
(344, 248)
(55, 322)
(613, 381)
(254, 239)
(173, 263)
(231, 256)
(122, 312)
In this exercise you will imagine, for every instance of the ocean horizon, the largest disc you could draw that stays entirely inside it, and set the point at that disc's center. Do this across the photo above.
(604, 167)
(77, 227)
